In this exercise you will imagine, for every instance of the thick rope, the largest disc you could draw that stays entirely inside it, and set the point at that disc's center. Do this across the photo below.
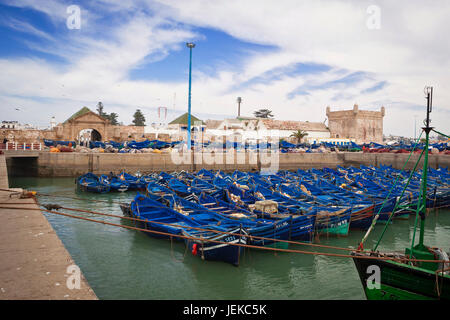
(187, 227)
(237, 244)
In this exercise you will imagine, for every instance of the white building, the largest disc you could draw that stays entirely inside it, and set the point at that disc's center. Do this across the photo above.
(15, 125)
(9, 124)
(52, 123)
(258, 128)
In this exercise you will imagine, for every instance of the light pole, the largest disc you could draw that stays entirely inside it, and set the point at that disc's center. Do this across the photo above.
(415, 122)
(190, 45)
(239, 100)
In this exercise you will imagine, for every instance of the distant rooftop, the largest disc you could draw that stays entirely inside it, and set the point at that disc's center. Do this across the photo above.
(248, 118)
(183, 119)
(294, 125)
(80, 112)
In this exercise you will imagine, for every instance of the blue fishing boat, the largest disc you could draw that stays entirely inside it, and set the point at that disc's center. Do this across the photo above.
(216, 247)
(134, 183)
(329, 220)
(326, 194)
(211, 242)
(203, 185)
(89, 182)
(115, 183)
(303, 219)
(181, 188)
(225, 213)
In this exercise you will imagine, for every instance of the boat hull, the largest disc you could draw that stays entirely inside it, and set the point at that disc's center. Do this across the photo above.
(226, 252)
(279, 230)
(94, 189)
(399, 281)
(334, 224)
(362, 218)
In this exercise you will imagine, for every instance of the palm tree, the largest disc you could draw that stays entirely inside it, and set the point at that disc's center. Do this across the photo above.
(299, 135)
(263, 113)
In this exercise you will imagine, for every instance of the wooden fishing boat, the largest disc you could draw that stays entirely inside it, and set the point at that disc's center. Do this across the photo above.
(361, 209)
(134, 183)
(303, 219)
(202, 244)
(401, 280)
(114, 183)
(89, 182)
(421, 271)
(211, 210)
(333, 220)
(212, 242)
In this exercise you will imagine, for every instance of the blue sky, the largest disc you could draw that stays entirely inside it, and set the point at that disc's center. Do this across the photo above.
(293, 57)
(215, 50)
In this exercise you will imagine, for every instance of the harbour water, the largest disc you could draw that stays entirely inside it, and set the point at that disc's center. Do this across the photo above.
(120, 263)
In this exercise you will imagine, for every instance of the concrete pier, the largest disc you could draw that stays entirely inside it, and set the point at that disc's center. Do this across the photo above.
(34, 262)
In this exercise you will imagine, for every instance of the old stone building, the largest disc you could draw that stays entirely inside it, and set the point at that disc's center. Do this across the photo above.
(79, 125)
(362, 125)
(101, 129)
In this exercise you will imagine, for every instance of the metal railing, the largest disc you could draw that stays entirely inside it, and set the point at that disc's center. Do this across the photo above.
(21, 146)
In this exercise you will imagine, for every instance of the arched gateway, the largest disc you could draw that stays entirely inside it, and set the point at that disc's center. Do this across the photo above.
(86, 136)
(99, 128)
(85, 121)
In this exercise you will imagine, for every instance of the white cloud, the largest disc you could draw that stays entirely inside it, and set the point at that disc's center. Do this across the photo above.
(25, 27)
(408, 52)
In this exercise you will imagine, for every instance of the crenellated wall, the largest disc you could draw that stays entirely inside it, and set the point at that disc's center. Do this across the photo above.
(362, 125)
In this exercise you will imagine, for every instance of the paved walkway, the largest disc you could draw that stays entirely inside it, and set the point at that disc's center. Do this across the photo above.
(33, 259)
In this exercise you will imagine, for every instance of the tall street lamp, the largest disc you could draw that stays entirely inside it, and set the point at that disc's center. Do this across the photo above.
(190, 45)
(415, 122)
(239, 100)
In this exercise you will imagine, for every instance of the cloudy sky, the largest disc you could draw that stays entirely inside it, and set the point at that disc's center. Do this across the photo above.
(293, 57)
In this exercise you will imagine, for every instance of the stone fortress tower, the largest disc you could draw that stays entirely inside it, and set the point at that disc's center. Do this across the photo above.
(362, 125)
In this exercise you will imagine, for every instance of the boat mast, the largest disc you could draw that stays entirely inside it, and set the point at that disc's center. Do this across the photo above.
(427, 129)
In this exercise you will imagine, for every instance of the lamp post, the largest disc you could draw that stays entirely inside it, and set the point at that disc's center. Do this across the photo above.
(415, 122)
(190, 45)
(239, 100)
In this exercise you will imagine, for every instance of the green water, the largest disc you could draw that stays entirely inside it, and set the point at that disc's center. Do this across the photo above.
(124, 264)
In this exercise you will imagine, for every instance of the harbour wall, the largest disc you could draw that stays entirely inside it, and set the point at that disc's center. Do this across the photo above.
(74, 164)
(3, 173)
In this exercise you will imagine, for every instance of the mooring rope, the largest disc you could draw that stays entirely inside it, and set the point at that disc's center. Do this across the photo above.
(76, 198)
(117, 202)
(234, 244)
(187, 227)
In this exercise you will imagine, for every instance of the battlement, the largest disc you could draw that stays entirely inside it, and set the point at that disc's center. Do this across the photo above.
(362, 125)
(356, 112)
